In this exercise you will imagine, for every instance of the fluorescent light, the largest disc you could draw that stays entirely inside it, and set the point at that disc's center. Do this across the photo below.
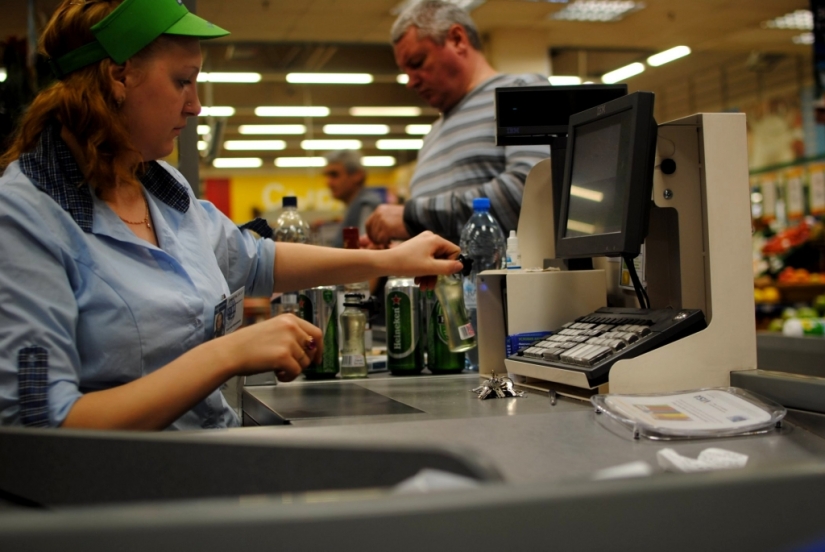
(229, 77)
(3, 75)
(249, 145)
(378, 161)
(329, 78)
(560, 80)
(598, 10)
(237, 162)
(418, 130)
(272, 129)
(300, 162)
(585, 193)
(204, 129)
(582, 227)
(623, 73)
(804, 38)
(802, 20)
(357, 129)
(202, 145)
(331, 144)
(285, 111)
(399, 144)
(217, 111)
(385, 111)
(668, 55)
(402, 78)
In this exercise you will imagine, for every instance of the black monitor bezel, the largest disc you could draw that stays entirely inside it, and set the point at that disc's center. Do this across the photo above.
(636, 203)
(541, 133)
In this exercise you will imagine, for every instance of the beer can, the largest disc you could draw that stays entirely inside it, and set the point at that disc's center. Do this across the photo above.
(405, 346)
(440, 360)
(323, 302)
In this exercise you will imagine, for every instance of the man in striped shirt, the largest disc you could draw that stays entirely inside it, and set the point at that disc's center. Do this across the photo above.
(437, 45)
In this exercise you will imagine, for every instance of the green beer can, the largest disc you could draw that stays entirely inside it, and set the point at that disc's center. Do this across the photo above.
(323, 303)
(405, 346)
(440, 360)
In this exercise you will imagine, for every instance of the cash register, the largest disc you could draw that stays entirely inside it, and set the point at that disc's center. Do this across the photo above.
(678, 194)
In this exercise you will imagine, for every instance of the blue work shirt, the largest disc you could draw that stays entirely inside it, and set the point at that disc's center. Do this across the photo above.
(86, 305)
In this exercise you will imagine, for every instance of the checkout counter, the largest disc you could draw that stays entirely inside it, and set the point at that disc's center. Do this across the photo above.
(522, 471)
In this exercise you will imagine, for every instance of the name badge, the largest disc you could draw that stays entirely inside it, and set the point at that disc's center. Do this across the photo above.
(228, 314)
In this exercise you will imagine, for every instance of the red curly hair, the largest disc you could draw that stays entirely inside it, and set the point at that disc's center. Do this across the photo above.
(83, 102)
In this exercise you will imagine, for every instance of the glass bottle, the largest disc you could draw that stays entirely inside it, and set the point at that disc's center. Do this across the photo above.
(450, 293)
(353, 351)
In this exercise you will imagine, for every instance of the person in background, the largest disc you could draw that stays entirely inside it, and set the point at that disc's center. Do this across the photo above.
(111, 269)
(345, 179)
(437, 45)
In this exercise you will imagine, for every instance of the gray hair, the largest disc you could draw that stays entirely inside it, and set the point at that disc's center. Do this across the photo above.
(433, 19)
(350, 159)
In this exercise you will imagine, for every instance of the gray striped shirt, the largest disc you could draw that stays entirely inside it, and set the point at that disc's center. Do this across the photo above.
(460, 161)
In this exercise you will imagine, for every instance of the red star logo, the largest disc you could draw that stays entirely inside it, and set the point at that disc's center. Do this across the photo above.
(396, 300)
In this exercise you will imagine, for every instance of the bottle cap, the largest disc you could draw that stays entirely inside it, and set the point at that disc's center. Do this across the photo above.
(354, 300)
(289, 201)
(468, 265)
(351, 237)
(512, 240)
(481, 204)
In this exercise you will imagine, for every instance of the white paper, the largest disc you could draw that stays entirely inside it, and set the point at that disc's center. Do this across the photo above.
(699, 410)
(708, 460)
(639, 468)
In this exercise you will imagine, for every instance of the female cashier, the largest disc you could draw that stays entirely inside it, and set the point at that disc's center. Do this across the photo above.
(111, 268)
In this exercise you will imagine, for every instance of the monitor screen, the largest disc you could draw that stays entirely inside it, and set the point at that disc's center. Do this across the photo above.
(608, 179)
(533, 114)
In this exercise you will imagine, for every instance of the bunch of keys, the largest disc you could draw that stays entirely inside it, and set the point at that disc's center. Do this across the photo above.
(497, 387)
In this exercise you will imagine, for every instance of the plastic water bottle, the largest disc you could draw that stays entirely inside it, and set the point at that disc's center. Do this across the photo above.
(290, 227)
(482, 240)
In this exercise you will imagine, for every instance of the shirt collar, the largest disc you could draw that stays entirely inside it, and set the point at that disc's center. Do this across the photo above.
(53, 170)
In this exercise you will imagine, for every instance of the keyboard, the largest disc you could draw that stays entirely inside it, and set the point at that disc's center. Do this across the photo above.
(593, 343)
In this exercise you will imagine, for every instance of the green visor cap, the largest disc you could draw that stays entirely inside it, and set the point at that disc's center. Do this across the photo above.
(132, 26)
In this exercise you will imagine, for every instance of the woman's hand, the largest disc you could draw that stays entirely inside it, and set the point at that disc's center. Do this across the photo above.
(424, 256)
(285, 344)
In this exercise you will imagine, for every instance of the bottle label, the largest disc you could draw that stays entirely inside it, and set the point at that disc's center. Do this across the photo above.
(470, 293)
(353, 361)
(400, 337)
(466, 331)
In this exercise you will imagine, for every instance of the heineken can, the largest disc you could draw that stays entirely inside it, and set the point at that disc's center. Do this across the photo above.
(405, 346)
(440, 360)
(306, 306)
(323, 303)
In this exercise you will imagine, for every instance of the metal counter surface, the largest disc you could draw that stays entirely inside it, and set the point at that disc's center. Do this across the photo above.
(527, 439)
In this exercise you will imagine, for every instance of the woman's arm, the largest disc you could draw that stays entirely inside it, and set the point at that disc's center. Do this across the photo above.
(300, 266)
(158, 399)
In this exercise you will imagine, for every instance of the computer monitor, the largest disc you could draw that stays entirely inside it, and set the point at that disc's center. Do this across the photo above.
(608, 179)
(528, 115)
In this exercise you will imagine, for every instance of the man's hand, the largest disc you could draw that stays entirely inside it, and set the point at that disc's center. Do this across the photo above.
(387, 223)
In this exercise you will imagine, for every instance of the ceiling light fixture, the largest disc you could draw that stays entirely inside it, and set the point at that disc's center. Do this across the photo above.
(378, 161)
(802, 20)
(217, 111)
(237, 162)
(418, 130)
(385, 111)
(597, 10)
(252, 145)
(668, 55)
(402, 78)
(202, 145)
(561, 80)
(623, 73)
(3, 75)
(272, 129)
(284, 111)
(331, 144)
(204, 129)
(329, 78)
(300, 162)
(399, 144)
(230, 77)
(805, 38)
(357, 129)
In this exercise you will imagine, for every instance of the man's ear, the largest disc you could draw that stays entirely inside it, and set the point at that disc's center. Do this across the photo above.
(457, 38)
